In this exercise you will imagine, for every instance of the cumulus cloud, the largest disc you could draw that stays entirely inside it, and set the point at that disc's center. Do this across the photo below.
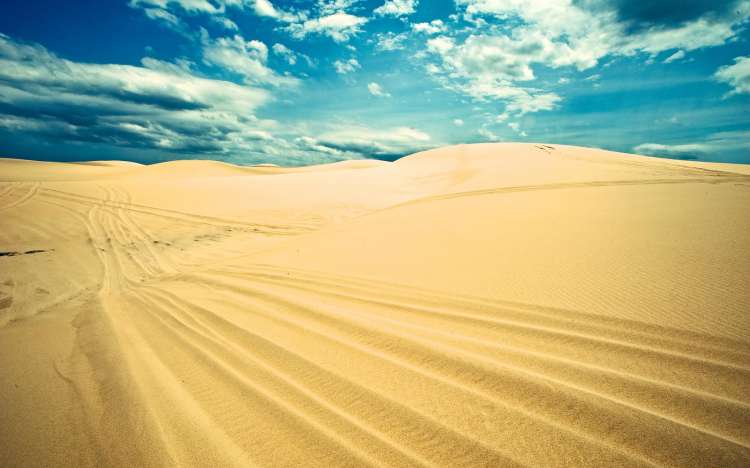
(488, 134)
(285, 52)
(595, 28)
(680, 54)
(736, 75)
(458, 122)
(516, 127)
(165, 106)
(493, 60)
(169, 20)
(396, 8)
(266, 9)
(166, 12)
(339, 26)
(685, 151)
(502, 57)
(164, 15)
(247, 59)
(433, 27)
(377, 90)
(664, 13)
(714, 146)
(158, 106)
(288, 55)
(192, 6)
(360, 141)
(487, 68)
(346, 66)
(226, 23)
(521, 101)
(326, 7)
(390, 41)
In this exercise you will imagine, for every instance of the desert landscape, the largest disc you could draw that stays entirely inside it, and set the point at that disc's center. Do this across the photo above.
(498, 304)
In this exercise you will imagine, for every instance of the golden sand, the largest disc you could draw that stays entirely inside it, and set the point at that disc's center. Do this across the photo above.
(479, 305)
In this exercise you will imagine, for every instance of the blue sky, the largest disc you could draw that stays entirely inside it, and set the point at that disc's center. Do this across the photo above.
(301, 82)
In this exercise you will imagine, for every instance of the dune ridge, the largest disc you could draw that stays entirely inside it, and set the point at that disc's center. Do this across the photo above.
(476, 305)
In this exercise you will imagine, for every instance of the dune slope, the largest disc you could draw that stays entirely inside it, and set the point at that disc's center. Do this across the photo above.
(478, 305)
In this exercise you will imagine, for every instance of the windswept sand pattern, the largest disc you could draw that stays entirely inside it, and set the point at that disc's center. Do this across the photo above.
(149, 335)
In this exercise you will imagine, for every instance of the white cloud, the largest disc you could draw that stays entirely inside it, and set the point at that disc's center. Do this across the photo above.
(505, 57)
(245, 58)
(691, 36)
(192, 6)
(458, 122)
(165, 107)
(339, 26)
(433, 27)
(595, 28)
(266, 9)
(432, 69)
(736, 75)
(326, 18)
(488, 134)
(657, 149)
(327, 7)
(494, 58)
(180, 66)
(516, 127)
(157, 106)
(361, 141)
(389, 41)
(164, 15)
(346, 66)
(168, 20)
(487, 68)
(396, 8)
(440, 45)
(285, 52)
(291, 57)
(715, 146)
(226, 23)
(521, 101)
(680, 54)
(377, 90)
(166, 11)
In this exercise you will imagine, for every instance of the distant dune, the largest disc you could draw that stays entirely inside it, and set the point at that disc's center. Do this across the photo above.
(474, 305)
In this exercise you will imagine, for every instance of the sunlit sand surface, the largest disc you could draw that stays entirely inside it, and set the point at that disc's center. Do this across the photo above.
(480, 305)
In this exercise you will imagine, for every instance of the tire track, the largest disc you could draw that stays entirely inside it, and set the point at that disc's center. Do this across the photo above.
(31, 192)
(519, 378)
(717, 179)
(269, 229)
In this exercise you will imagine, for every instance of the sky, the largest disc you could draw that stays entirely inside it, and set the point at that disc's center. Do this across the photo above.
(313, 81)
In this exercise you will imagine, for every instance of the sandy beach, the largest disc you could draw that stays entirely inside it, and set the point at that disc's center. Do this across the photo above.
(474, 305)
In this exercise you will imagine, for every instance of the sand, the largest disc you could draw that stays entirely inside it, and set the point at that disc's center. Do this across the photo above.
(476, 305)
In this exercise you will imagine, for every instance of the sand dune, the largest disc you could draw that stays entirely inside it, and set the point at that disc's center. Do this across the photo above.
(478, 305)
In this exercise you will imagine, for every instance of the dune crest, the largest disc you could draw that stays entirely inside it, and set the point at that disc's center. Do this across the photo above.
(475, 305)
